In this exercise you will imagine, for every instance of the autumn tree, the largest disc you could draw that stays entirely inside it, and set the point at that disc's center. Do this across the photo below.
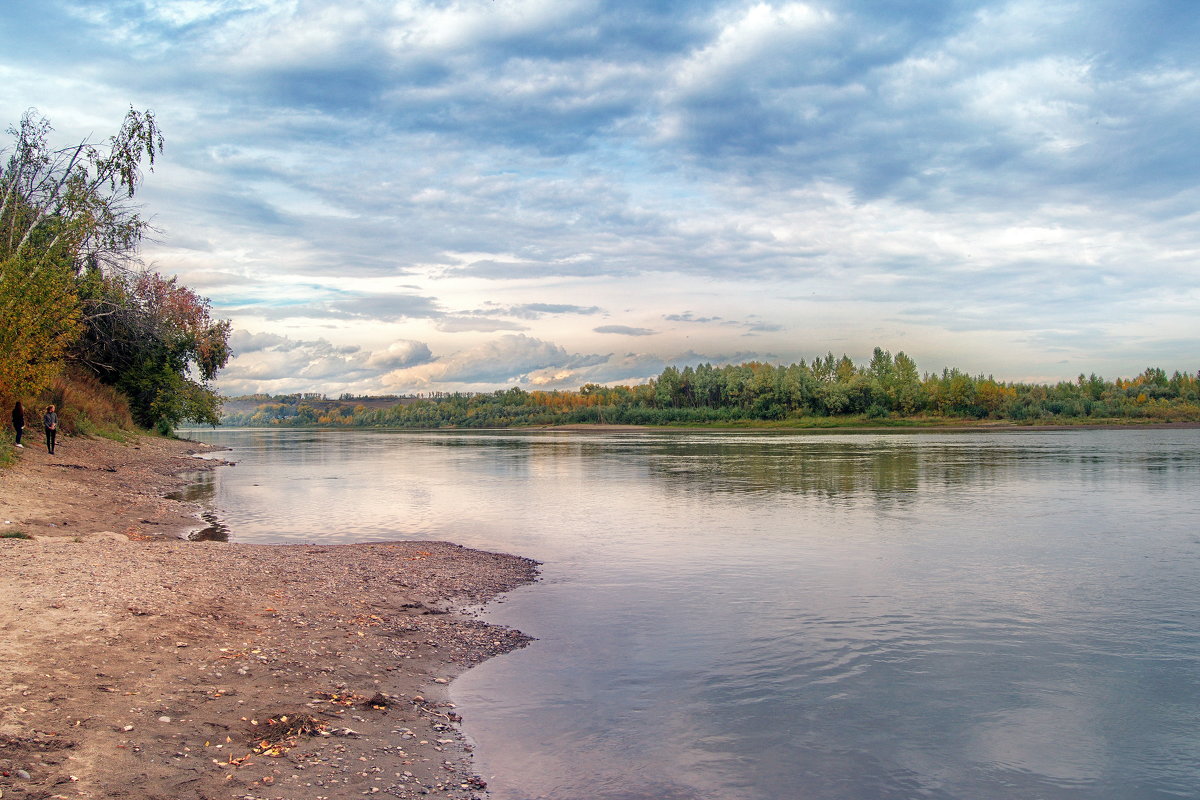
(74, 204)
(63, 213)
(159, 344)
(39, 321)
(72, 284)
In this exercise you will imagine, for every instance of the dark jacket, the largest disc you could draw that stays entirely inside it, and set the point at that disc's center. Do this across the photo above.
(18, 417)
(50, 419)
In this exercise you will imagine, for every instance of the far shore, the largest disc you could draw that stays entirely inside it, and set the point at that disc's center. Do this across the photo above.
(143, 665)
(896, 426)
(958, 426)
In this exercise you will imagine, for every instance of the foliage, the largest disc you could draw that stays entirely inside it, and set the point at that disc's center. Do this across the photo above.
(72, 288)
(39, 321)
(87, 406)
(828, 392)
(64, 215)
(72, 204)
(158, 343)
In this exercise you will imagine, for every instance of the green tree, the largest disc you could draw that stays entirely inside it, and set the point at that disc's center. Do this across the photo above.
(158, 344)
(63, 213)
(72, 284)
(907, 397)
(882, 370)
(39, 321)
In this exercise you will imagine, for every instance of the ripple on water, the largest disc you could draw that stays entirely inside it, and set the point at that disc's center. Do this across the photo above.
(836, 617)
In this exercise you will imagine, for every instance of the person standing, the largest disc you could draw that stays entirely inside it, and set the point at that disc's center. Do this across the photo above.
(18, 421)
(50, 423)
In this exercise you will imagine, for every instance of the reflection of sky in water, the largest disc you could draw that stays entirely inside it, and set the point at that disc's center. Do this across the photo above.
(749, 615)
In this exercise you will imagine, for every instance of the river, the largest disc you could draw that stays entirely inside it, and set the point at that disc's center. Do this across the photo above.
(762, 616)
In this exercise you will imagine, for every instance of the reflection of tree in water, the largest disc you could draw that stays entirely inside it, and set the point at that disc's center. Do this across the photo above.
(888, 471)
(201, 488)
(216, 531)
(512, 456)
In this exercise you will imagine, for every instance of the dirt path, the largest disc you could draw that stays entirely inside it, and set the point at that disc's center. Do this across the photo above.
(172, 669)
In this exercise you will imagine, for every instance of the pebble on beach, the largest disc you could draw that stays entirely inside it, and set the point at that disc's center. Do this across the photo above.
(327, 694)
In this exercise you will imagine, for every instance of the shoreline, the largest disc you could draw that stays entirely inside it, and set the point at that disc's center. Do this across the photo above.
(955, 427)
(141, 665)
(958, 426)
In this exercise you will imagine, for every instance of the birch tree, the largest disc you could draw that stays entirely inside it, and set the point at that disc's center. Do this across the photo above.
(64, 213)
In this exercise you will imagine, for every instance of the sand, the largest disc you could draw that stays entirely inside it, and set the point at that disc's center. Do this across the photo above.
(140, 665)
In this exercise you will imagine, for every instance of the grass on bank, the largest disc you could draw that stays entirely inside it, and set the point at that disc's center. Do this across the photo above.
(85, 406)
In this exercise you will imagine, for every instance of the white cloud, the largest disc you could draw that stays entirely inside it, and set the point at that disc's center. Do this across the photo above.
(399, 355)
(268, 362)
(505, 359)
(454, 324)
(624, 330)
(409, 171)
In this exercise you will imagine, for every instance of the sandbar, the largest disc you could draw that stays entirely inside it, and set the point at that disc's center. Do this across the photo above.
(142, 665)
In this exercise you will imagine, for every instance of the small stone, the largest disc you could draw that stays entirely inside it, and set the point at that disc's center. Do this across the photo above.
(440, 680)
(23, 775)
(127, 728)
(164, 719)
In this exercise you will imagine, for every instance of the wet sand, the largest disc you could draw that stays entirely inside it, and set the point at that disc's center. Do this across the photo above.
(139, 665)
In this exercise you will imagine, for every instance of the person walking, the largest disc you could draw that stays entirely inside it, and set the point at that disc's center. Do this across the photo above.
(50, 423)
(18, 421)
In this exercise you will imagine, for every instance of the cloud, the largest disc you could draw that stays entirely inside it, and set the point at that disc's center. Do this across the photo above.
(688, 316)
(491, 318)
(270, 357)
(503, 360)
(399, 355)
(624, 330)
(453, 324)
(242, 342)
(843, 170)
(382, 307)
(517, 359)
(268, 362)
(539, 310)
(534, 270)
(630, 368)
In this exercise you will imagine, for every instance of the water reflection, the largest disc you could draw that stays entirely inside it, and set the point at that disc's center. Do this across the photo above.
(215, 531)
(760, 616)
(201, 489)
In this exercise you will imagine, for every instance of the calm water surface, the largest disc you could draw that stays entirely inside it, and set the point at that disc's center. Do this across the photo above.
(768, 616)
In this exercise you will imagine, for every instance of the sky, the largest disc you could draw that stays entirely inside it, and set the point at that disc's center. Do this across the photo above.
(405, 196)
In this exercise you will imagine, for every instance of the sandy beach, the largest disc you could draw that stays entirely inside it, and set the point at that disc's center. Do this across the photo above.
(141, 665)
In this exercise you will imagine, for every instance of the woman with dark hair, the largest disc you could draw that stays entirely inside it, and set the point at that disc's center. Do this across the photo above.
(50, 423)
(18, 421)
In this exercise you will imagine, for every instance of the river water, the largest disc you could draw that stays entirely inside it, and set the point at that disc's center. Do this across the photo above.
(764, 616)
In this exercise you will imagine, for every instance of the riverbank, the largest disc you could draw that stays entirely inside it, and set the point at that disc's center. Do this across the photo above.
(815, 425)
(836, 425)
(138, 665)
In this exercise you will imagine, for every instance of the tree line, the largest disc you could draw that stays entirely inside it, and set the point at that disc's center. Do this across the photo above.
(825, 391)
(74, 294)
